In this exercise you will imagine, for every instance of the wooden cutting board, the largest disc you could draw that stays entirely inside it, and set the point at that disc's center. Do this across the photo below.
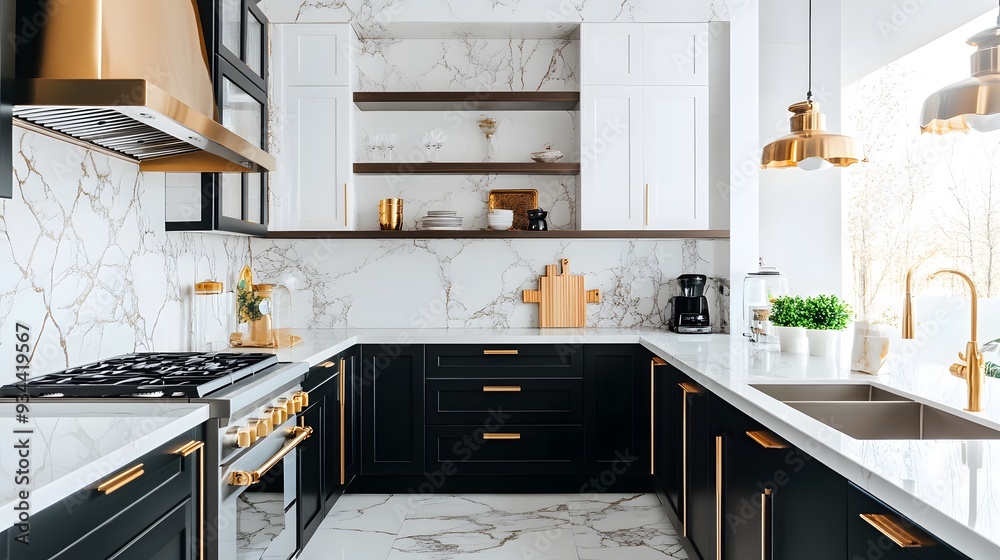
(561, 298)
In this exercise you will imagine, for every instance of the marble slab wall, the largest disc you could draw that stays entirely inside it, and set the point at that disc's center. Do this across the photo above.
(451, 283)
(85, 261)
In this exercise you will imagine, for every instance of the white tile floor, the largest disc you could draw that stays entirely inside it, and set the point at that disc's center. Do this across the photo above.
(496, 527)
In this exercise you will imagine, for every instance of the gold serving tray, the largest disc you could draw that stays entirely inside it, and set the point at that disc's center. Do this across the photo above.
(518, 200)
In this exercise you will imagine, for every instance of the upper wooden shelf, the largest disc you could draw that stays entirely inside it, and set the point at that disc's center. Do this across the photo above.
(511, 234)
(467, 100)
(471, 168)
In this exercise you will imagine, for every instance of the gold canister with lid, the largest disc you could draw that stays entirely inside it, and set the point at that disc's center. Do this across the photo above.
(211, 321)
(390, 214)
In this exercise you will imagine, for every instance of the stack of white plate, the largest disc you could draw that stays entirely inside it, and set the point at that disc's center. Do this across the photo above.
(441, 220)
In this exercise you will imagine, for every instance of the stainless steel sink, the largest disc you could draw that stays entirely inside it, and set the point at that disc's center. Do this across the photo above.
(828, 392)
(893, 420)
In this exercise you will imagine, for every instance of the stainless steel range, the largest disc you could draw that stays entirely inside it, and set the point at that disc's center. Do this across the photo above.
(254, 401)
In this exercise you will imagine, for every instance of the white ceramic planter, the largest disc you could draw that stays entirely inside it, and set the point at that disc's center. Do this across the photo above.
(793, 340)
(823, 343)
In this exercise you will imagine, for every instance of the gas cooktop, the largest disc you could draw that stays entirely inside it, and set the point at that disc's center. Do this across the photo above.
(152, 374)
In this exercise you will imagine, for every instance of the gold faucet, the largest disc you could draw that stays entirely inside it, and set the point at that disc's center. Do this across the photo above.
(972, 370)
(908, 326)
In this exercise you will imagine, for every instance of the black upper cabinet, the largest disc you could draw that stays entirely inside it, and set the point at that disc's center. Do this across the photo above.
(236, 41)
(392, 409)
(616, 407)
(6, 101)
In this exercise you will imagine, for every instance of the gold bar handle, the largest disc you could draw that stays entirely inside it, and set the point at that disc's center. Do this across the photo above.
(343, 418)
(658, 361)
(327, 364)
(244, 478)
(501, 389)
(500, 352)
(185, 450)
(345, 206)
(892, 528)
(718, 497)
(501, 436)
(689, 388)
(767, 440)
(647, 204)
(121, 479)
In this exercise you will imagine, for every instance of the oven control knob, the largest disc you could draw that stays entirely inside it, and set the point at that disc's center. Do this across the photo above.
(297, 402)
(245, 437)
(260, 426)
(289, 406)
(302, 397)
(278, 416)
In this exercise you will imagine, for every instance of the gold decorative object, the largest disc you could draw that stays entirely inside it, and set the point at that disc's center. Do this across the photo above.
(809, 146)
(561, 298)
(489, 127)
(256, 308)
(518, 200)
(973, 103)
(390, 214)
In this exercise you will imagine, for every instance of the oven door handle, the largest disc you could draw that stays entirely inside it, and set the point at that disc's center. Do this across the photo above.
(244, 478)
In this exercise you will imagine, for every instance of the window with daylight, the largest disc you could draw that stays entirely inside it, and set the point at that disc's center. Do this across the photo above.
(922, 193)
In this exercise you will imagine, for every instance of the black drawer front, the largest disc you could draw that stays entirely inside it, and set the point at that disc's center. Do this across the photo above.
(515, 360)
(477, 450)
(504, 401)
(864, 540)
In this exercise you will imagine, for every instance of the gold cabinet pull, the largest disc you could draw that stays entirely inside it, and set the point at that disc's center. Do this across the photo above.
(658, 361)
(244, 478)
(345, 206)
(501, 389)
(185, 450)
(767, 440)
(121, 479)
(892, 528)
(718, 497)
(501, 436)
(343, 417)
(500, 352)
(764, 496)
(327, 364)
(647, 204)
(689, 388)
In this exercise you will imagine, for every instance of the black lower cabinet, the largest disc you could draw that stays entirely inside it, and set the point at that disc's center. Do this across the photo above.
(351, 401)
(149, 510)
(778, 502)
(616, 408)
(699, 472)
(875, 530)
(512, 450)
(392, 409)
(668, 427)
(311, 464)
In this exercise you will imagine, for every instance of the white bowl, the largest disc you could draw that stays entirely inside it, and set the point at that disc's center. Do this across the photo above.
(502, 213)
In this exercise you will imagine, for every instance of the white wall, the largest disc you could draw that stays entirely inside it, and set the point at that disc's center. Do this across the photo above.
(800, 212)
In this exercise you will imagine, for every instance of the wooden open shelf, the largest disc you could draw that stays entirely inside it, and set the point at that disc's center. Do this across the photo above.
(467, 100)
(470, 168)
(512, 234)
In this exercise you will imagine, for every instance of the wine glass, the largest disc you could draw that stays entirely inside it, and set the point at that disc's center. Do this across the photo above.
(488, 125)
(428, 142)
(371, 146)
(390, 145)
(437, 139)
(380, 143)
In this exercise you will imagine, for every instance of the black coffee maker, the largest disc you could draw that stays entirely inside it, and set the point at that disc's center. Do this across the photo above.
(690, 310)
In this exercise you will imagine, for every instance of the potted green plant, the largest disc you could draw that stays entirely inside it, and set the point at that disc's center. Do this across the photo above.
(827, 316)
(790, 320)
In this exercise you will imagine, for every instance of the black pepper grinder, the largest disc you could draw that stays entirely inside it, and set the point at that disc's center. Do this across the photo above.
(536, 220)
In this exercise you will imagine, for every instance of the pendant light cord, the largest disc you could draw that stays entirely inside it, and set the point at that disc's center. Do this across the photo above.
(809, 94)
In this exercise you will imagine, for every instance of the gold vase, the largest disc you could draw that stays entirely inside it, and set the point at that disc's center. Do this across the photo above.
(260, 331)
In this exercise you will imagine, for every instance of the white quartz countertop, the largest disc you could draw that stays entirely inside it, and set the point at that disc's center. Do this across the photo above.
(74, 445)
(951, 488)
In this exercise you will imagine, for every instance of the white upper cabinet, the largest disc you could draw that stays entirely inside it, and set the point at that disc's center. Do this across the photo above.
(611, 163)
(675, 54)
(313, 104)
(675, 157)
(611, 54)
(316, 54)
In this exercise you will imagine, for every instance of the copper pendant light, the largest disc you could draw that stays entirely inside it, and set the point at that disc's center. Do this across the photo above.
(973, 103)
(809, 146)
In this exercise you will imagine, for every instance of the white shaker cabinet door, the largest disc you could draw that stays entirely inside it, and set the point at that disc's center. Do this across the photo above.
(314, 167)
(315, 54)
(611, 158)
(675, 54)
(675, 157)
(611, 53)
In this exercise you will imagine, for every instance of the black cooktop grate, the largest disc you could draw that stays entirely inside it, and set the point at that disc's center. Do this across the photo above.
(152, 374)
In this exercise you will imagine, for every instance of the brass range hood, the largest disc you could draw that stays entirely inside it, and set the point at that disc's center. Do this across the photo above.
(130, 76)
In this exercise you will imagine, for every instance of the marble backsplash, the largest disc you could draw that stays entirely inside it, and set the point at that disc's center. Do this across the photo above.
(85, 261)
(438, 283)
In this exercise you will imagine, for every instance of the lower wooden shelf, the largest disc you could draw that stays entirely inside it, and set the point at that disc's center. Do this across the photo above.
(470, 168)
(487, 234)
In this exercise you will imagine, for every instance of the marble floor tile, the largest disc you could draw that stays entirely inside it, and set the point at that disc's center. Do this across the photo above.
(348, 544)
(634, 525)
